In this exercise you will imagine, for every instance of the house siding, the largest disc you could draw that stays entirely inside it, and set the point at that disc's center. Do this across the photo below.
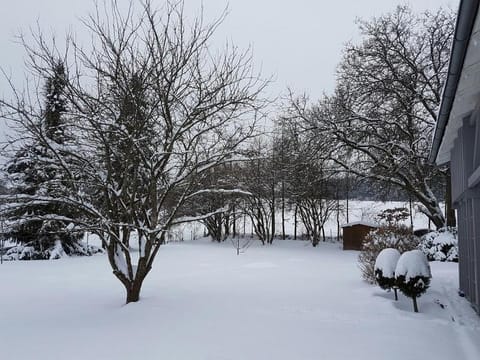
(467, 202)
(457, 142)
(469, 247)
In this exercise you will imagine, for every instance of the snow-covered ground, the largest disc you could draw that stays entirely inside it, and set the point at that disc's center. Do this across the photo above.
(202, 301)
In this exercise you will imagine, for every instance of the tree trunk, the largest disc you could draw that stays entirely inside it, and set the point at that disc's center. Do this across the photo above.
(295, 223)
(133, 292)
(395, 290)
(214, 227)
(415, 306)
(273, 213)
(449, 210)
(438, 220)
(244, 222)
(132, 287)
(234, 230)
(411, 210)
(347, 194)
(338, 215)
(431, 209)
(226, 223)
(283, 210)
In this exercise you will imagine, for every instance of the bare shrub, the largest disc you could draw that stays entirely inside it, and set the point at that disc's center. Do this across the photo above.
(396, 237)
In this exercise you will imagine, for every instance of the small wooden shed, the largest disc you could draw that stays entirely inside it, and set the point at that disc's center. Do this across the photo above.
(354, 233)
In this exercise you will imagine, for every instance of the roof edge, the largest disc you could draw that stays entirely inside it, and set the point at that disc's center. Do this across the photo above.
(467, 13)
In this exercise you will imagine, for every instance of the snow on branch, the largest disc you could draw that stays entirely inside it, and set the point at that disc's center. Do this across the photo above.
(185, 219)
(220, 191)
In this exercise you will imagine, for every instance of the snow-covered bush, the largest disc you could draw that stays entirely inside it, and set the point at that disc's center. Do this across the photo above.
(396, 237)
(385, 269)
(440, 245)
(57, 251)
(413, 275)
(21, 252)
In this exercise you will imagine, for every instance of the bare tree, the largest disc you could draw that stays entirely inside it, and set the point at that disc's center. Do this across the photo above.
(258, 178)
(310, 191)
(219, 195)
(282, 164)
(383, 112)
(152, 109)
(241, 244)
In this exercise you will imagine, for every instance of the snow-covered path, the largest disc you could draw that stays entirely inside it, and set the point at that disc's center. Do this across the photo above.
(201, 301)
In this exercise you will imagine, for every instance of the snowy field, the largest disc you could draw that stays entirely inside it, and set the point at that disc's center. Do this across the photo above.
(203, 302)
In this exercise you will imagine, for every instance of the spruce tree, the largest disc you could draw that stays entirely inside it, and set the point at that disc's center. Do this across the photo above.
(56, 104)
(31, 172)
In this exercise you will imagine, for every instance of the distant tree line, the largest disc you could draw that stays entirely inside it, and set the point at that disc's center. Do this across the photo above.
(369, 140)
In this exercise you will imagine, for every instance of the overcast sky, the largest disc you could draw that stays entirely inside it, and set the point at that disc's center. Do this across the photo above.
(297, 41)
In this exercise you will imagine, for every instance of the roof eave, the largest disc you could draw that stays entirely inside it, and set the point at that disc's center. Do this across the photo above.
(467, 14)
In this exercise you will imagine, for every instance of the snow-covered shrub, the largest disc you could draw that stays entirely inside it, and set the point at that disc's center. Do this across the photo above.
(396, 237)
(385, 269)
(440, 245)
(21, 252)
(413, 275)
(57, 251)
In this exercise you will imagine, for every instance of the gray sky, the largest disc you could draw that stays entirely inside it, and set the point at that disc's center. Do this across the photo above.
(297, 41)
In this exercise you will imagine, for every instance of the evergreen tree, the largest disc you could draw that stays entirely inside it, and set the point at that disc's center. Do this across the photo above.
(413, 275)
(56, 104)
(385, 265)
(32, 171)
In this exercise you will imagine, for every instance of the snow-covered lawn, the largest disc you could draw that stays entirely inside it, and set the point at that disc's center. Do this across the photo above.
(202, 301)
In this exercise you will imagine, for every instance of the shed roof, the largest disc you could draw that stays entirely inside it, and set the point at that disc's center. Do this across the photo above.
(364, 223)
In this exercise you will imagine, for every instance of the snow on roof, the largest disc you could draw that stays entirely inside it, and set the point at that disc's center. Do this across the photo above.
(365, 223)
(411, 264)
(387, 262)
